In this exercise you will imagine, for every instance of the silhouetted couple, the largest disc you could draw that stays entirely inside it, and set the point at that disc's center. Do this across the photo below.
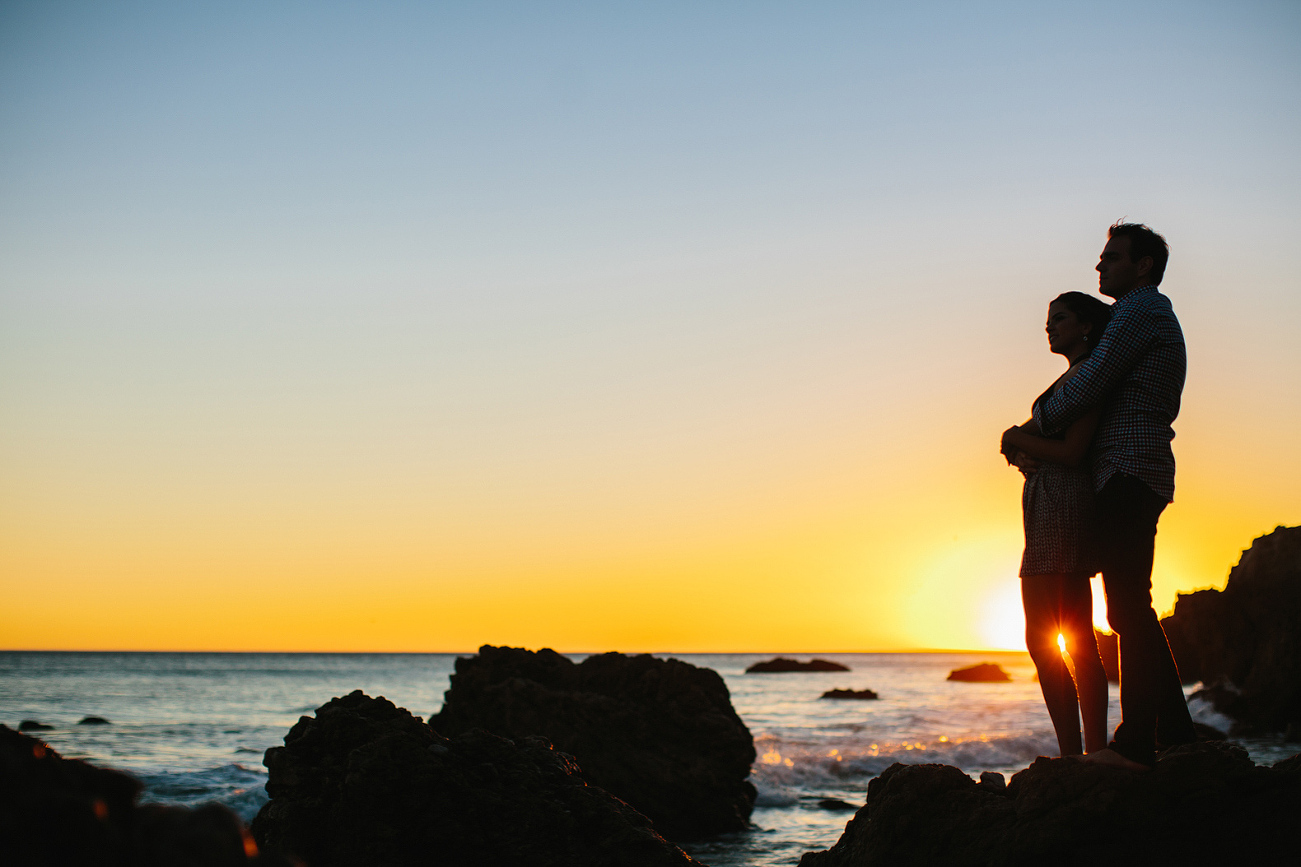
(1099, 471)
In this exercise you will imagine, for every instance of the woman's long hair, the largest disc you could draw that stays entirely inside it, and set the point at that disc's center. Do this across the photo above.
(1088, 309)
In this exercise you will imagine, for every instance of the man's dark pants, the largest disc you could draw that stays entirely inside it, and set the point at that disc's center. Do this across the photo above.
(1150, 693)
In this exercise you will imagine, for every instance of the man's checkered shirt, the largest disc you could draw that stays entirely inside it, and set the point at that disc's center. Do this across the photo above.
(1137, 373)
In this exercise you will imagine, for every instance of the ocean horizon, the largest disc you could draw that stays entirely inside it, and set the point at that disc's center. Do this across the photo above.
(193, 726)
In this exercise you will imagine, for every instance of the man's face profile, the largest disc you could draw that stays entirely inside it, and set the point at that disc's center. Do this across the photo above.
(1119, 274)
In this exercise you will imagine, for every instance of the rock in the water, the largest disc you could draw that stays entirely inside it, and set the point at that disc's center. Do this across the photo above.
(1244, 642)
(31, 725)
(65, 811)
(1203, 804)
(859, 694)
(93, 721)
(986, 672)
(365, 782)
(836, 805)
(659, 734)
(782, 664)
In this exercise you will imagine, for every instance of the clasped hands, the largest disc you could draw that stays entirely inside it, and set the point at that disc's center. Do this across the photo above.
(1015, 457)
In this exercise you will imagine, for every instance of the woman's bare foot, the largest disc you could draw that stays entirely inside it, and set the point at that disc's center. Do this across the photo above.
(1113, 759)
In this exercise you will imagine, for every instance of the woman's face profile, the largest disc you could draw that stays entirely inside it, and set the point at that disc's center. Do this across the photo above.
(1065, 332)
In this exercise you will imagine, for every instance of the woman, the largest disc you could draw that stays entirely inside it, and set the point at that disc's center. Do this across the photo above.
(1059, 559)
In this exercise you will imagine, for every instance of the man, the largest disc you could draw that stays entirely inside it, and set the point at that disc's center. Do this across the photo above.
(1136, 373)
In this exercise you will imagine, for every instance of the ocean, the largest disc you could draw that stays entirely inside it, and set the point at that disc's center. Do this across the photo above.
(194, 726)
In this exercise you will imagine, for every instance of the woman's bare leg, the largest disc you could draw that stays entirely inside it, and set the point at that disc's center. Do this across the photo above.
(1042, 596)
(1082, 645)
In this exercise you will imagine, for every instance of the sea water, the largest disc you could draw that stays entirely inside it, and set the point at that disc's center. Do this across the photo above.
(194, 726)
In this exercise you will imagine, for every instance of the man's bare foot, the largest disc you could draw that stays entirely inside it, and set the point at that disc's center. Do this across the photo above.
(1113, 759)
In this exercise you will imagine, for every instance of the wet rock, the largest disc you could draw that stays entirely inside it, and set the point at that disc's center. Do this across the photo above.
(31, 725)
(1203, 804)
(836, 805)
(782, 664)
(1244, 642)
(93, 721)
(659, 734)
(985, 672)
(365, 782)
(858, 694)
(57, 811)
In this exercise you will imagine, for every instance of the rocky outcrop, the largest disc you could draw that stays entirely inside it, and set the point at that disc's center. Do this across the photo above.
(57, 811)
(854, 694)
(659, 734)
(365, 782)
(782, 664)
(1244, 642)
(1204, 804)
(986, 672)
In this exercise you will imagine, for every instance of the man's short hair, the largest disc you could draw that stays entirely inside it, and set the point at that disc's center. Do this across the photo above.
(1143, 242)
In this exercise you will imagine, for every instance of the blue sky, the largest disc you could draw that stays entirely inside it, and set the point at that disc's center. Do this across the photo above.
(655, 280)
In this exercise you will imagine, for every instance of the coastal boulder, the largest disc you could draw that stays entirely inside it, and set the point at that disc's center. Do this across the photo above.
(659, 734)
(1244, 642)
(365, 782)
(1203, 804)
(66, 811)
(782, 664)
(985, 672)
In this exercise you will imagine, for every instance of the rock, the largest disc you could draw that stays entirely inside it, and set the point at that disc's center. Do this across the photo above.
(860, 694)
(365, 782)
(1244, 642)
(65, 811)
(659, 734)
(1203, 804)
(835, 805)
(992, 780)
(1109, 650)
(986, 672)
(782, 664)
(93, 721)
(31, 725)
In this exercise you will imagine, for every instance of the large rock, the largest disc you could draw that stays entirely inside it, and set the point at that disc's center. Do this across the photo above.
(56, 811)
(365, 782)
(660, 734)
(1204, 804)
(1244, 642)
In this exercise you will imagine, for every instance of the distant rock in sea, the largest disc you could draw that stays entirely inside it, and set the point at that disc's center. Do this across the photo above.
(66, 811)
(31, 725)
(365, 782)
(985, 672)
(782, 664)
(93, 721)
(859, 694)
(658, 733)
(1244, 642)
(836, 805)
(1204, 804)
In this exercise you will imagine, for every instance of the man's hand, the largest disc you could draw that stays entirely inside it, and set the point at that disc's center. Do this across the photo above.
(1005, 446)
(1026, 464)
(1015, 457)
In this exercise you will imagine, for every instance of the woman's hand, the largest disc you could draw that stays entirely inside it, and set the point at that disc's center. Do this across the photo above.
(1014, 455)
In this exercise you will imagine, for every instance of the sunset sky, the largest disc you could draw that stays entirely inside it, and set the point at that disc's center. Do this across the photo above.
(676, 326)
